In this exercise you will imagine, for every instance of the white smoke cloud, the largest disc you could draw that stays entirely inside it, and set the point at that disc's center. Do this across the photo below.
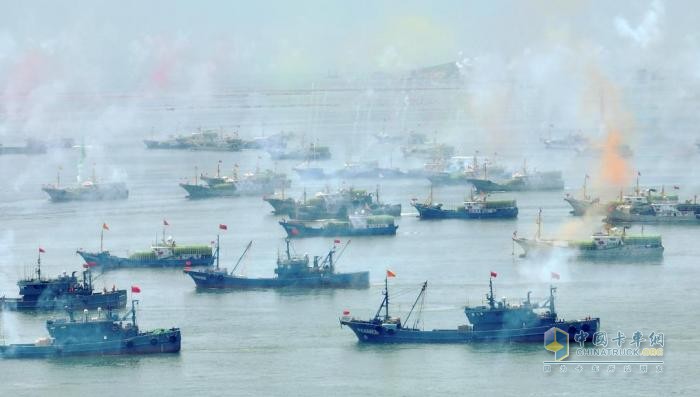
(648, 29)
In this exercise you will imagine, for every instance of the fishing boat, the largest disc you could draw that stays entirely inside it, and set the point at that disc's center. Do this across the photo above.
(291, 271)
(104, 334)
(368, 170)
(610, 244)
(335, 205)
(88, 190)
(356, 225)
(475, 208)
(166, 253)
(525, 181)
(569, 142)
(498, 321)
(250, 183)
(311, 152)
(459, 170)
(42, 293)
(207, 140)
(688, 213)
(30, 147)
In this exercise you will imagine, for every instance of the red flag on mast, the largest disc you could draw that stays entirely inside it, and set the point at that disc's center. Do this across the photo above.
(494, 274)
(41, 249)
(223, 227)
(105, 227)
(135, 289)
(555, 276)
(389, 273)
(336, 241)
(165, 223)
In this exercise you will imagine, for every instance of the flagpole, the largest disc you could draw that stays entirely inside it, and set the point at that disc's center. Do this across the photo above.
(102, 235)
(386, 296)
(38, 265)
(217, 251)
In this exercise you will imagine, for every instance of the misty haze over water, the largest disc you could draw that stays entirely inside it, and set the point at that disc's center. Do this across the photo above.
(494, 77)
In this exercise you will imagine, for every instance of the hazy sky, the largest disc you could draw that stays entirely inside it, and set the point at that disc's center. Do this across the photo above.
(138, 44)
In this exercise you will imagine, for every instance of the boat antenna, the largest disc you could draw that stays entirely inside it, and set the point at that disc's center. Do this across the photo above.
(539, 224)
(218, 169)
(420, 294)
(377, 194)
(585, 180)
(195, 174)
(287, 241)
(58, 176)
(242, 255)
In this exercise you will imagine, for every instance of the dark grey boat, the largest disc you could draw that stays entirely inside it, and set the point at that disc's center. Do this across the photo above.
(105, 334)
(291, 271)
(497, 322)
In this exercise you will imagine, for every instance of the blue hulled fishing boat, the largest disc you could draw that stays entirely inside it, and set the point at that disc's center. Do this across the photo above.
(475, 208)
(496, 322)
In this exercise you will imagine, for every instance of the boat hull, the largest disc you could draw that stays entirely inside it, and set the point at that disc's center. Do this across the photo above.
(210, 280)
(616, 217)
(163, 341)
(372, 332)
(109, 299)
(430, 212)
(300, 230)
(200, 191)
(108, 261)
(484, 185)
(626, 252)
(112, 191)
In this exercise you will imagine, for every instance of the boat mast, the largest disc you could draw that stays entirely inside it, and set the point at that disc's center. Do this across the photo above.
(489, 297)
(539, 225)
(385, 301)
(102, 237)
(552, 289)
(386, 297)
(289, 256)
(585, 180)
(422, 291)
(38, 266)
(217, 251)
(242, 255)
(133, 311)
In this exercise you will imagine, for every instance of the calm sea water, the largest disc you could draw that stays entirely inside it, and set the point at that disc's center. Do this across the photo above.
(288, 342)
